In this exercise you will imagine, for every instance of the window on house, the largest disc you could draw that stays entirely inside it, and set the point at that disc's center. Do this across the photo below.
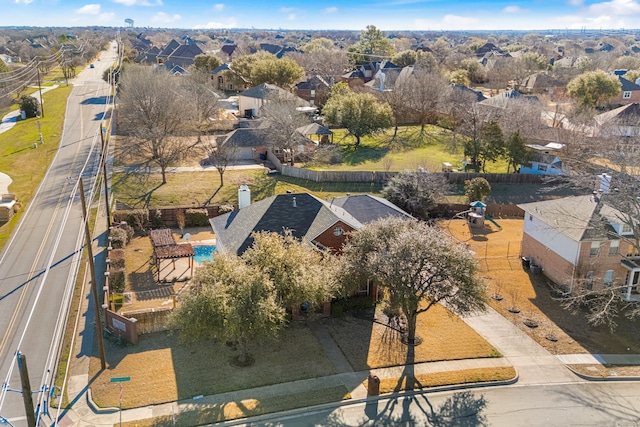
(542, 168)
(626, 229)
(636, 278)
(530, 217)
(608, 277)
(313, 93)
(595, 247)
(588, 280)
(614, 246)
(626, 94)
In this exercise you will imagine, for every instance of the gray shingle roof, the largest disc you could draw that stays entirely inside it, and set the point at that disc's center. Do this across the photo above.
(577, 217)
(306, 220)
(266, 91)
(367, 208)
(314, 129)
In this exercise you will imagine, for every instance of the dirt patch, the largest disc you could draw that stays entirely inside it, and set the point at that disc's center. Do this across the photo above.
(607, 371)
(531, 295)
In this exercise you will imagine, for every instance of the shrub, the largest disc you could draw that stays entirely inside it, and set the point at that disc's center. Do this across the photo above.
(119, 238)
(156, 219)
(116, 280)
(117, 257)
(138, 219)
(223, 209)
(30, 106)
(196, 218)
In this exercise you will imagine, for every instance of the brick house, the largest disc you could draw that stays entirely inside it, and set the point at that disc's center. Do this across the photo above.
(629, 92)
(581, 241)
(324, 224)
(621, 121)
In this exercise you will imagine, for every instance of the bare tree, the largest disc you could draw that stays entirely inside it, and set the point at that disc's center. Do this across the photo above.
(283, 119)
(200, 101)
(152, 112)
(423, 91)
(220, 155)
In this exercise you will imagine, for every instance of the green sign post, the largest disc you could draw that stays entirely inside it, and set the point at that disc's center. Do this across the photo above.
(120, 380)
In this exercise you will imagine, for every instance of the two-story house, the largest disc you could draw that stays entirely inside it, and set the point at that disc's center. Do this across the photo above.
(581, 241)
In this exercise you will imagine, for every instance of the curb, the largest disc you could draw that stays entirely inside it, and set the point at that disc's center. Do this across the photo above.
(96, 409)
(368, 399)
(600, 379)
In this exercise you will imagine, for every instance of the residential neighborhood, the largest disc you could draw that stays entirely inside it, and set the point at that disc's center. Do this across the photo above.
(270, 224)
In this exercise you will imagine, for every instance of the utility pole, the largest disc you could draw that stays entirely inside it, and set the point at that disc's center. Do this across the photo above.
(26, 390)
(96, 301)
(40, 90)
(104, 176)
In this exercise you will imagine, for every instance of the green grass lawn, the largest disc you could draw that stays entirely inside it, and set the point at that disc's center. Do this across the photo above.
(409, 150)
(198, 188)
(25, 164)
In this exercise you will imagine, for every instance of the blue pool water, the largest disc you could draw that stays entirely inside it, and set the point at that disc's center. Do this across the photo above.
(203, 253)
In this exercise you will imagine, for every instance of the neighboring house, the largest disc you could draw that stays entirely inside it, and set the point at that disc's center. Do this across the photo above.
(367, 208)
(251, 100)
(488, 48)
(174, 53)
(314, 90)
(166, 50)
(387, 77)
(543, 82)
(622, 121)
(543, 164)
(629, 92)
(458, 90)
(252, 143)
(581, 241)
(149, 56)
(503, 99)
(223, 78)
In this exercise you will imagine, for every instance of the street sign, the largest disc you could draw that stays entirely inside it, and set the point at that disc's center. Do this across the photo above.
(120, 379)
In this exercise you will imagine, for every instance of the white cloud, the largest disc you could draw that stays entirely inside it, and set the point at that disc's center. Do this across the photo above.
(616, 7)
(219, 7)
(291, 17)
(89, 9)
(286, 9)
(225, 23)
(456, 22)
(23, 1)
(331, 9)
(514, 9)
(165, 18)
(139, 2)
(576, 22)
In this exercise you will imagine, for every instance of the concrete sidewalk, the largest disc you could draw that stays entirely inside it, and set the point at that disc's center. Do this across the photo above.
(10, 119)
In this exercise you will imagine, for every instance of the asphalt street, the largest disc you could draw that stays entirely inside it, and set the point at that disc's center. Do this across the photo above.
(39, 263)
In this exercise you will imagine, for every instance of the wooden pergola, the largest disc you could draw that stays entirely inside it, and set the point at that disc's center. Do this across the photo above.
(165, 247)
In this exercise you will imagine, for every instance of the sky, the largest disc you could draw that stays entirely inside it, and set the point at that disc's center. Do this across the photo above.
(388, 15)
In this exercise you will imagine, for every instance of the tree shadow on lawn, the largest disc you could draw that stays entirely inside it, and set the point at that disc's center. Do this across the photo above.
(371, 152)
(136, 187)
(598, 340)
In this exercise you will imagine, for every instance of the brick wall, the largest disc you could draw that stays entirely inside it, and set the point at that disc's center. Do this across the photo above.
(554, 266)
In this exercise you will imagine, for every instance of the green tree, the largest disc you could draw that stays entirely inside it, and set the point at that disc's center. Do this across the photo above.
(492, 142)
(299, 272)
(281, 72)
(474, 69)
(372, 46)
(594, 88)
(233, 302)
(206, 63)
(30, 106)
(516, 152)
(3, 67)
(405, 58)
(243, 66)
(415, 192)
(632, 75)
(460, 77)
(476, 189)
(416, 265)
(360, 113)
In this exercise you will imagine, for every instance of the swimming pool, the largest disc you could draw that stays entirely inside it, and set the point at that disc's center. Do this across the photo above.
(203, 253)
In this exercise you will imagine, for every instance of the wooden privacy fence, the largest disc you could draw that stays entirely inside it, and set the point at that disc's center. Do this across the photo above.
(449, 210)
(382, 177)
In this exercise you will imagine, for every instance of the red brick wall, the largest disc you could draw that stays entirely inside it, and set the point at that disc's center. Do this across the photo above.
(560, 270)
(330, 240)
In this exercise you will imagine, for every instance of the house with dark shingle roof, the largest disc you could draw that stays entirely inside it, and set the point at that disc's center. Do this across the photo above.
(629, 92)
(251, 100)
(367, 208)
(581, 241)
(621, 121)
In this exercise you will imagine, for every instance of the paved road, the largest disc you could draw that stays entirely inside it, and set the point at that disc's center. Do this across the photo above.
(39, 264)
(591, 404)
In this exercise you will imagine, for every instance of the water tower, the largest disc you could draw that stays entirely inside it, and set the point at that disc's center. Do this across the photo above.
(129, 22)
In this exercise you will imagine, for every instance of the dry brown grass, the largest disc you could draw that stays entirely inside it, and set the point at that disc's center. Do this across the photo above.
(607, 371)
(501, 268)
(246, 408)
(162, 370)
(436, 379)
(372, 345)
